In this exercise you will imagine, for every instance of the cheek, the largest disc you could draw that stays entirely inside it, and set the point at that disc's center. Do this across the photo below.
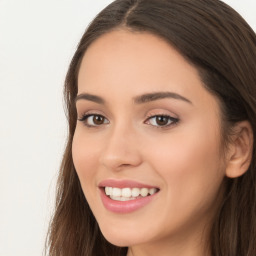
(85, 155)
(190, 165)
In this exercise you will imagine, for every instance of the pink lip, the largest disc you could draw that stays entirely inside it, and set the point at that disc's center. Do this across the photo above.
(124, 206)
(123, 184)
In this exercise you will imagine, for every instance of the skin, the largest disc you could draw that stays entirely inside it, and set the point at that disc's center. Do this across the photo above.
(182, 159)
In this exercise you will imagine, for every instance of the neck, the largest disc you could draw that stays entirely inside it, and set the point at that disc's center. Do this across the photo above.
(152, 250)
(186, 245)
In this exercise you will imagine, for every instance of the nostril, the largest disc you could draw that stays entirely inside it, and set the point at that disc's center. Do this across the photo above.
(119, 154)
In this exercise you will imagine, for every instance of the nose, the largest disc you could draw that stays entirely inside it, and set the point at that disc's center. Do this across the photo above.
(121, 150)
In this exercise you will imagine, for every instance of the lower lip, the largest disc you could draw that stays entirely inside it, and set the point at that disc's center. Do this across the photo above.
(125, 206)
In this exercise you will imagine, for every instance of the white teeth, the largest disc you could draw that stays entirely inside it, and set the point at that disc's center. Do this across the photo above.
(144, 192)
(108, 191)
(121, 198)
(116, 192)
(152, 191)
(135, 192)
(124, 194)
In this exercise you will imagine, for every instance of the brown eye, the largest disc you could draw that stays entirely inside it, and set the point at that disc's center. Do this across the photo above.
(98, 120)
(161, 120)
(93, 120)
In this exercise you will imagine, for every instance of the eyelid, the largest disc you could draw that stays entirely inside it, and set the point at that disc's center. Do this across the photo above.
(173, 120)
(87, 115)
(154, 114)
(82, 113)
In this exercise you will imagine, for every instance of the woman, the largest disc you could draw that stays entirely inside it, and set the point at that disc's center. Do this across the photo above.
(160, 159)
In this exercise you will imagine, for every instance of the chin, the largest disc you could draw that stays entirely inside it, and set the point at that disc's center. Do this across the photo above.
(123, 237)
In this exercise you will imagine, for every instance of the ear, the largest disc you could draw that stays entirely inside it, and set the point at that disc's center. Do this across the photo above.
(240, 150)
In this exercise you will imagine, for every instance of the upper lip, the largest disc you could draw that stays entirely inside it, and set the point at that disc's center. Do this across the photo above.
(124, 184)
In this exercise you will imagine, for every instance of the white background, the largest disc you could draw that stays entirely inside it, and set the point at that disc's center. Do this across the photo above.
(37, 41)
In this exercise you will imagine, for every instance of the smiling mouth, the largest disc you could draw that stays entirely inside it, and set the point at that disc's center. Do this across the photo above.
(126, 194)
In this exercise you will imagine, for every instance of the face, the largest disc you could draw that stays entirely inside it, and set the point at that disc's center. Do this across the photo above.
(148, 133)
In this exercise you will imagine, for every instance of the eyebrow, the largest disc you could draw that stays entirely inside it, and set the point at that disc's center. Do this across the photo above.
(159, 95)
(90, 97)
(148, 97)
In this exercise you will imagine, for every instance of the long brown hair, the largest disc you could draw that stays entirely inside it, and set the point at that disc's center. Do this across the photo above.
(221, 45)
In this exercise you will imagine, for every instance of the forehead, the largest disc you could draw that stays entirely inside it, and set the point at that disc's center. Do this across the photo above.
(124, 54)
(122, 46)
(123, 63)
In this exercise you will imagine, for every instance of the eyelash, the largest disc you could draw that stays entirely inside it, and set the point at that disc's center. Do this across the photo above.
(171, 120)
(85, 118)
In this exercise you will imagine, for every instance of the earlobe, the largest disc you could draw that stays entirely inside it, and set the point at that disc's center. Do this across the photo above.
(240, 150)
